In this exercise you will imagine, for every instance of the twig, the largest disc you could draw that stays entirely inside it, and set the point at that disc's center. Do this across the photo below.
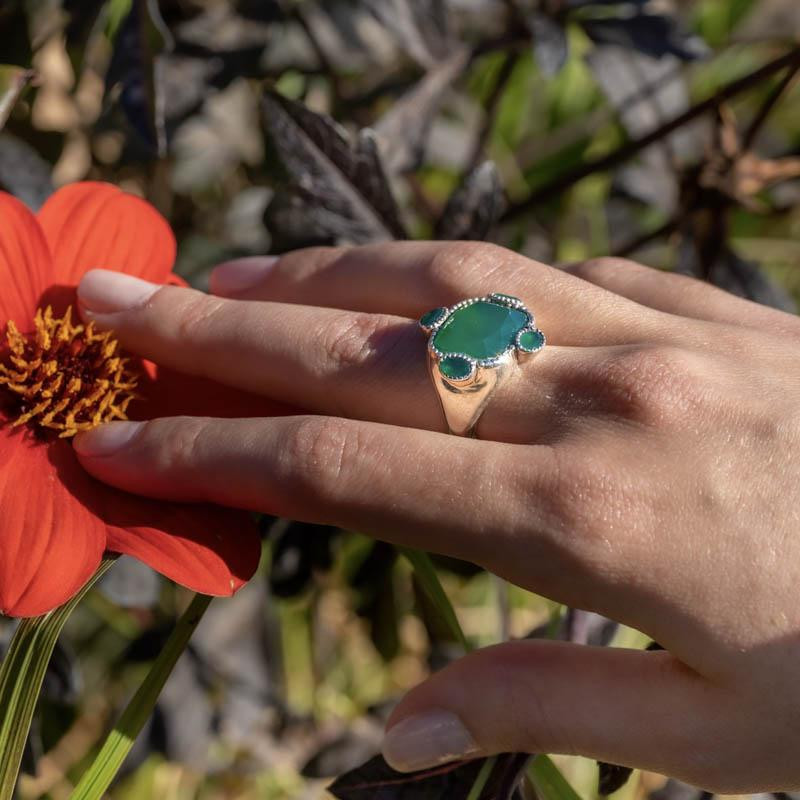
(492, 104)
(630, 247)
(750, 135)
(623, 153)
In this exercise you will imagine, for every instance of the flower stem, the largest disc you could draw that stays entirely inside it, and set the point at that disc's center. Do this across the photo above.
(98, 777)
(21, 675)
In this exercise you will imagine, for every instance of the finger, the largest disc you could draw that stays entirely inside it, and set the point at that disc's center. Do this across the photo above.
(396, 483)
(408, 278)
(634, 708)
(679, 294)
(364, 366)
(514, 512)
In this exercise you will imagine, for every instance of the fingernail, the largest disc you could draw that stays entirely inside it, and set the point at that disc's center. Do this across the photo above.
(106, 439)
(104, 292)
(240, 275)
(426, 740)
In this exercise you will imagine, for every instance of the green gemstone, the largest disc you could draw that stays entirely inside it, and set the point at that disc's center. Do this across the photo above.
(481, 330)
(456, 368)
(531, 341)
(430, 318)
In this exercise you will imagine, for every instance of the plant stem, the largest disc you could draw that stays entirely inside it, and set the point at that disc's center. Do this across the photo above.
(98, 777)
(562, 182)
(21, 676)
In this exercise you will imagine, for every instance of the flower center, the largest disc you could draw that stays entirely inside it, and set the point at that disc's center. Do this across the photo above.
(65, 377)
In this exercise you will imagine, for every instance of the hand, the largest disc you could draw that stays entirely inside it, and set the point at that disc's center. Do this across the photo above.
(645, 466)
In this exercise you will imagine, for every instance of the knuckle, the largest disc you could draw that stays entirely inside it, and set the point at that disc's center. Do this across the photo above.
(194, 314)
(177, 447)
(321, 452)
(654, 386)
(597, 270)
(460, 264)
(350, 342)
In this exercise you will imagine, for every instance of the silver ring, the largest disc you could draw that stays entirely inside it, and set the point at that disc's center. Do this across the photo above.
(472, 347)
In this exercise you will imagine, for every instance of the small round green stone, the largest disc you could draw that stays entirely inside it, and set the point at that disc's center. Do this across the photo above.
(531, 341)
(455, 368)
(430, 318)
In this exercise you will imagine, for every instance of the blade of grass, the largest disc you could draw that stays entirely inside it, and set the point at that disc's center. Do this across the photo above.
(98, 777)
(425, 573)
(548, 781)
(483, 777)
(21, 675)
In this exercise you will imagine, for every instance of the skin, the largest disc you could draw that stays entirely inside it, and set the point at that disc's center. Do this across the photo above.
(643, 466)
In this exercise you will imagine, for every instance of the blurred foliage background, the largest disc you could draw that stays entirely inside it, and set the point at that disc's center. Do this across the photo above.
(663, 130)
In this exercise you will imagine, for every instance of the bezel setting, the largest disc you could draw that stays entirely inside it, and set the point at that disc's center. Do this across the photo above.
(497, 298)
(464, 398)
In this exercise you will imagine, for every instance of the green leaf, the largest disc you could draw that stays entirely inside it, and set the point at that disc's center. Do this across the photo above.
(425, 573)
(98, 777)
(548, 781)
(550, 784)
(13, 81)
(21, 676)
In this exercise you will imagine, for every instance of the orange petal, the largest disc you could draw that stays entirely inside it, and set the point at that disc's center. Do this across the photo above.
(25, 264)
(50, 542)
(205, 548)
(97, 225)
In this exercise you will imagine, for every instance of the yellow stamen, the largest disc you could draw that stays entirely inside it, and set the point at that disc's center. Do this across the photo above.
(65, 377)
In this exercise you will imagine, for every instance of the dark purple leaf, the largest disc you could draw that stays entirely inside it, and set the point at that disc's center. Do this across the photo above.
(403, 130)
(340, 187)
(612, 777)
(137, 72)
(376, 780)
(550, 45)
(474, 208)
(23, 172)
(655, 34)
(420, 27)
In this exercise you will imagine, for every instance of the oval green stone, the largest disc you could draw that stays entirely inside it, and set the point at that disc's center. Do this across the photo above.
(456, 368)
(481, 330)
(531, 341)
(430, 318)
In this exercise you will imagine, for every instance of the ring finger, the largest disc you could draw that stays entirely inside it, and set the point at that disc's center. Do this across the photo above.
(363, 366)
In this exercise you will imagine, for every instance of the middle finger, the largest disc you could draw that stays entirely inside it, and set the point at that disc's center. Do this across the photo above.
(409, 278)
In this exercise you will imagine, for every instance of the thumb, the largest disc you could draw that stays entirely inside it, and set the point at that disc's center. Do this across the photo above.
(629, 707)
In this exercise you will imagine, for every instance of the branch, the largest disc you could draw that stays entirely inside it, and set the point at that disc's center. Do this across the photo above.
(625, 152)
(490, 112)
(750, 135)
(629, 248)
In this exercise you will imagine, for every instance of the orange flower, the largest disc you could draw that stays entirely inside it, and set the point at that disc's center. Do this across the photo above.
(58, 377)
